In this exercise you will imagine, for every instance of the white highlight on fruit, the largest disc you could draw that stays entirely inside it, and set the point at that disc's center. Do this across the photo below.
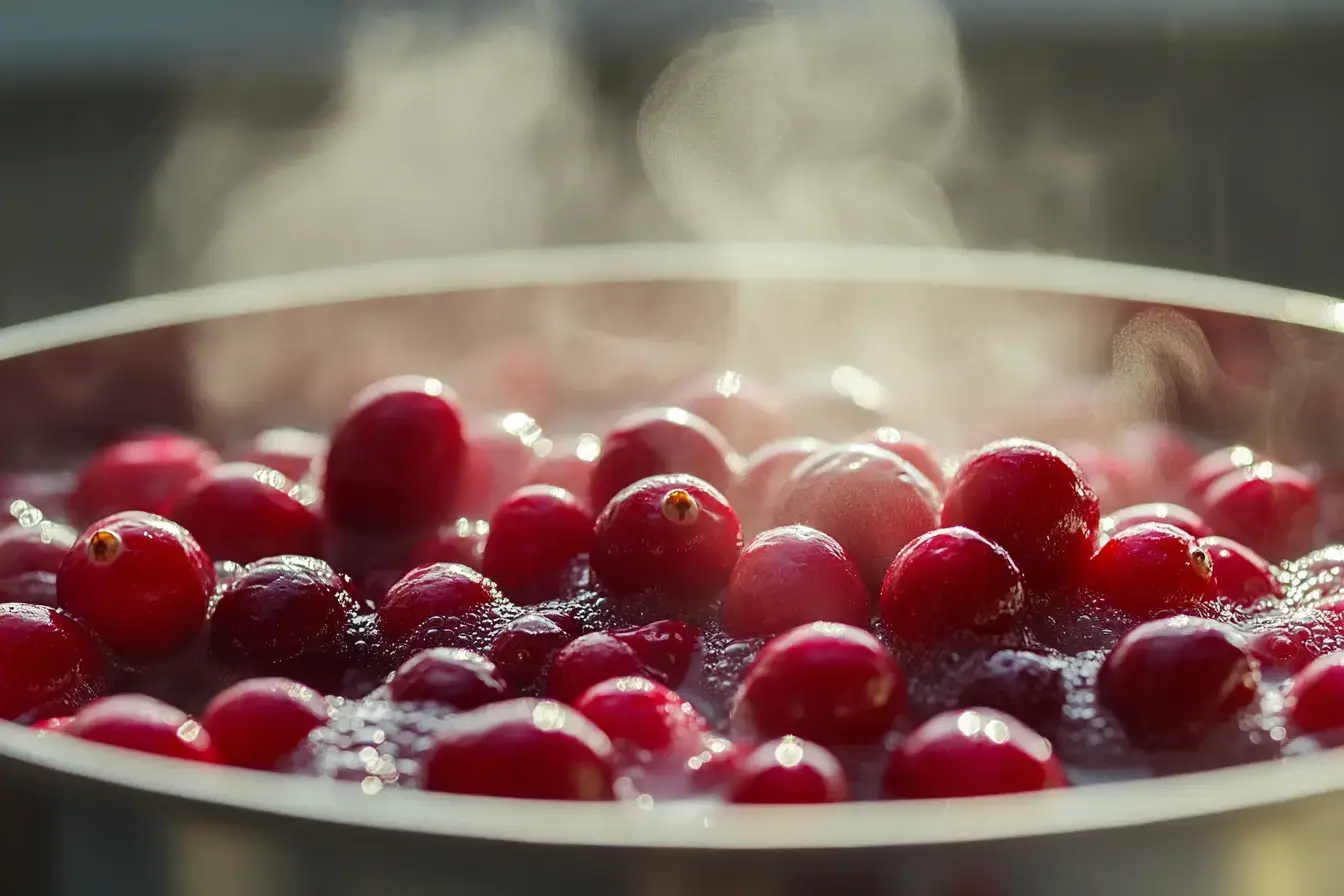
(789, 752)
(548, 715)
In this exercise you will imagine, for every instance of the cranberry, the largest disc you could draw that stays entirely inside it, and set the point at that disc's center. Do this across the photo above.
(871, 501)
(642, 714)
(1243, 576)
(675, 534)
(1214, 466)
(655, 441)
(831, 683)
(971, 752)
(139, 582)
(1032, 500)
(1171, 514)
(462, 542)
(526, 749)
(48, 663)
(1024, 685)
(396, 458)
(243, 512)
(664, 647)
(949, 581)
(137, 722)
(1171, 681)
(37, 548)
(1271, 508)
(283, 614)
(789, 576)
(746, 414)
(55, 723)
(763, 473)
(909, 447)
(1316, 699)
(257, 722)
(568, 464)
(1294, 640)
(534, 535)
(1114, 483)
(789, 771)
(427, 592)
(1152, 570)
(290, 452)
(589, 660)
(1160, 455)
(525, 647)
(716, 765)
(138, 474)
(448, 676)
(501, 457)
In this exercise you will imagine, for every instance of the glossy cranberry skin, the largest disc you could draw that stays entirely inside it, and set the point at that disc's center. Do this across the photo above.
(1152, 570)
(790, 576)
(396, 458)
(569, 465)
(1033, 501)
(448, 676)
(763, 474)
(525, 646)
(137, 722)
(1316, 699)
(138, 474)
(437, 590)
(1243, 576)
(950, 581)
(643, 714)
(501, 457)
(871, 501)
(971, 752)
(49, 663)
(291, 452)
(747, 414)
(461, 542)
(1270, 508)
(257, 722)
(38, 548)
(1214, 466)
(825, 682)
(788, 771)
(526, 749)
(664, 647)
(1171, 681)
(589, 660)
(658, 441)
(244, 512)
(1026, 686)
(535, 534)
(911, 448)
(139, 582)
(674, 534)
(282, 613)
(1182, 518)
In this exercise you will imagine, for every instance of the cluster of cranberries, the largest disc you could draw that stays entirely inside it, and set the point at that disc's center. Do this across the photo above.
(651, 615)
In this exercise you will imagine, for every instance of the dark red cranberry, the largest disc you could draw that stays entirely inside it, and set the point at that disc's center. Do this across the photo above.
(1033, 501)
(137, 722)
(448, 676)
(789, 771)
(1294, 640)
(790, 576)
(1243, 576)
(950, 581)
(831, 683)
(440, 590)
(971, 752)
(911, 448)
(138, 474)
(643, 714)
(49, 664)
(657, 441)
(1270, 508)
(871, 501)
(289, 451)
(1316, 699)
(461, 542)
(396, 458)
(763, 474)
(526, 749)
(589, 660)
(567, 623)
(534, 535)
(257, 722)
(568, 464)
(37, 548)
(746, 413)
(282, 614)
(1024, 685)
(1214, 466)
(675, 534)
(524, 648)
(1152, 570)
(1182, 518)
(664, 647)
(501, 457)
(140, 583)
(1172, 681)
(243, 512)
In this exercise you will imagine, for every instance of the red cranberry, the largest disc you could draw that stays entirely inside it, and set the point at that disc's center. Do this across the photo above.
(243, 512)
(534, 535)
(1316, 698)
(48, 663)
(763, 474)
(664, 647)
(746, 414)
(448, 676)
(1152, 570)
(655, 441)
(589, 660)
(137, 722)
(139, 582)
(282, 613)
(1243, 576)
(1294, 640)
(396, 458)
(524, 648)
(257, 722)
(1270, 508)
(831, 683)
(289, 451)
(790, 576)
(462, 542)
(715, 767)
(55, 723)
(569, 465)
(1171, 681)
(526, 749)
(38, 548)
(1171, 514)
(440, 590)
(501, 457)
(1026, 686)
(642, 714)
(789, 771)
(909, 447)
(1033, 501)
(971, 752)
(871, 501)
(138, 474)
(675, 534)
(1214, 466)
(567, 623)
(949, 581)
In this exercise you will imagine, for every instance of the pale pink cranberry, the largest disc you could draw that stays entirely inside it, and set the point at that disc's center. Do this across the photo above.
(1214, 466)
(448, 676)
(1243, 576)
(1182, 518)
(138, 474)
(535, 534)
(790, 576)
(49, 663)
(1161, 457)
(971, 752)
(502, 454)
(763, 473)
(1152, 570)
(438, 590)
(664, 647)
(1110, 476)
(1270, 508)
(911, 448)
(291, 452)
(257, 722)
(588, 660)
(137, 722)
(643, 714)
(1316, 698)
(788, 771)
(655, 442)
(568, 464)
(243, 512)
(525, 647)
(746, 413)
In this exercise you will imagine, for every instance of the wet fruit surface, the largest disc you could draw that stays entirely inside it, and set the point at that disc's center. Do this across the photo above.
(790, 576)
(655, 442)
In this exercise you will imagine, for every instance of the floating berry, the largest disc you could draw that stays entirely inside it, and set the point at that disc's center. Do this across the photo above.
(39, 548)
(1152, 570)
(138, 474)
(658, 441)
(1182, 518)
(461, 542)
(49, 664)
(1214, 466)
(244, 512)
(1243, 576)
(763, 474)
(440, 590)
(257, 722)
(789, 771)
(568, 464)
(534, 535)
(448, 676)
(137, 722)
(589, 660)
(291, 452)
(1270, 508)
(790, 576)
(643, 714)
(747, 414)
(664, 647)
(1316, 699)
(502, 454)
(911, 448)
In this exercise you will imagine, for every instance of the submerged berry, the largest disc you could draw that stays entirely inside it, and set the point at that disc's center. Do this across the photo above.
(1152, 570)
(655, 442)
(788, 771)
(448, 676)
